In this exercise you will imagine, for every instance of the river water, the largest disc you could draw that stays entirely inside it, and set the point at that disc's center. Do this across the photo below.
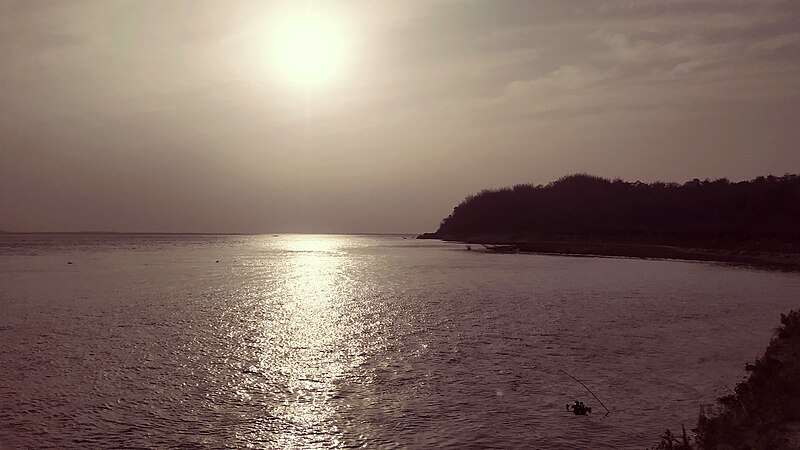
(303, 341)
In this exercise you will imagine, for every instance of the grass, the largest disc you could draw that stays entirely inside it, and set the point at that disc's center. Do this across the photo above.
(763, 412)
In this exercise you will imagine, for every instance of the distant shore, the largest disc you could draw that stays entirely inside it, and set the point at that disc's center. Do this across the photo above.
(751, 254)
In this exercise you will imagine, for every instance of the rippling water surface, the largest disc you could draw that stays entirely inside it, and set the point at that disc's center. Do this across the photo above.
(340, 341)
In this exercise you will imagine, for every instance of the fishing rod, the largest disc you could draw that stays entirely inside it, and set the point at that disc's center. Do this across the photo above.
(590, 391)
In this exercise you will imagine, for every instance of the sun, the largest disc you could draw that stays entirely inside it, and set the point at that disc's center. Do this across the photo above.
(309, 48)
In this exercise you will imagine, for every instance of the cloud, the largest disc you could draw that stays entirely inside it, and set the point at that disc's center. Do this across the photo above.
(777, 42)
(443, 90)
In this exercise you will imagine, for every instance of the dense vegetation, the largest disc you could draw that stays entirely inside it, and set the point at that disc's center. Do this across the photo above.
(588, 206)
(764, 410)
(758, 413)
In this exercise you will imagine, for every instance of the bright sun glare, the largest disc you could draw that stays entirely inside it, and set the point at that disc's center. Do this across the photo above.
(309, 48)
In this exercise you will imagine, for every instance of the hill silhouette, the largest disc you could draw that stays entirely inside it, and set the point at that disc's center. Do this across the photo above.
(761, 214)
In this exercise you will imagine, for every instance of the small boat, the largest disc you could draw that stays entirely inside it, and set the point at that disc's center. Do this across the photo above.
(504, 248)
(579, 408)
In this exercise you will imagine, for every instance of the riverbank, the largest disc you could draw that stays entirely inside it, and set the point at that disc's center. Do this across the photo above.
(764, 410)
(761, 254)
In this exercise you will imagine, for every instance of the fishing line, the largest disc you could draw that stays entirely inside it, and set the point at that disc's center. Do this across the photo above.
(590, 391)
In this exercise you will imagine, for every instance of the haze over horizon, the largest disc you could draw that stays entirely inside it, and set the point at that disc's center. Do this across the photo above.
(182, 116)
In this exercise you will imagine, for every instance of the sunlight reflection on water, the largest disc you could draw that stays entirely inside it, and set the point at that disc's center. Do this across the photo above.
(316, 348)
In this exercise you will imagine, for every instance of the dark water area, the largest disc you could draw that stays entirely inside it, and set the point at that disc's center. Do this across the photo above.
(337, 341)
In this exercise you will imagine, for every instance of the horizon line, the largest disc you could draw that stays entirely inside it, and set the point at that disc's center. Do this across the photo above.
(167, 233)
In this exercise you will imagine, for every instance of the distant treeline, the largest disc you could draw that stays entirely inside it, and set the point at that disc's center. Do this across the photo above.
(588, 206)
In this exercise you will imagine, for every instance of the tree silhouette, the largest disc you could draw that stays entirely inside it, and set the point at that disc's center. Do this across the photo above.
(586, 206)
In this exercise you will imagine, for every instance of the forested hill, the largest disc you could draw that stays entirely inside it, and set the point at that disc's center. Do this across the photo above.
(585, 206)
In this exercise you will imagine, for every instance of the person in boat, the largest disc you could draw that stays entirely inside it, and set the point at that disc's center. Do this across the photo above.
(579, 408)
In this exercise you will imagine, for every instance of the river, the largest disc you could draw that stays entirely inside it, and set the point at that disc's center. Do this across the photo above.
(304, 341)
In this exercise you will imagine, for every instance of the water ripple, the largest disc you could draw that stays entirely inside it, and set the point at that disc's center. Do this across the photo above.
(341, 341)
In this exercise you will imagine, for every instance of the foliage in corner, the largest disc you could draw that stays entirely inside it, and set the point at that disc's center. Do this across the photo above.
(761, 406)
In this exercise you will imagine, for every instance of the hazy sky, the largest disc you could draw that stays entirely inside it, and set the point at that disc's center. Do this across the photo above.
(137, 115)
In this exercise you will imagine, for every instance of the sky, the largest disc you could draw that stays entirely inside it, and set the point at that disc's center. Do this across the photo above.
(154, 116)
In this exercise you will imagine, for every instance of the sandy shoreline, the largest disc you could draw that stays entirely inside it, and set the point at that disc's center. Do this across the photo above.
(742, 255)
